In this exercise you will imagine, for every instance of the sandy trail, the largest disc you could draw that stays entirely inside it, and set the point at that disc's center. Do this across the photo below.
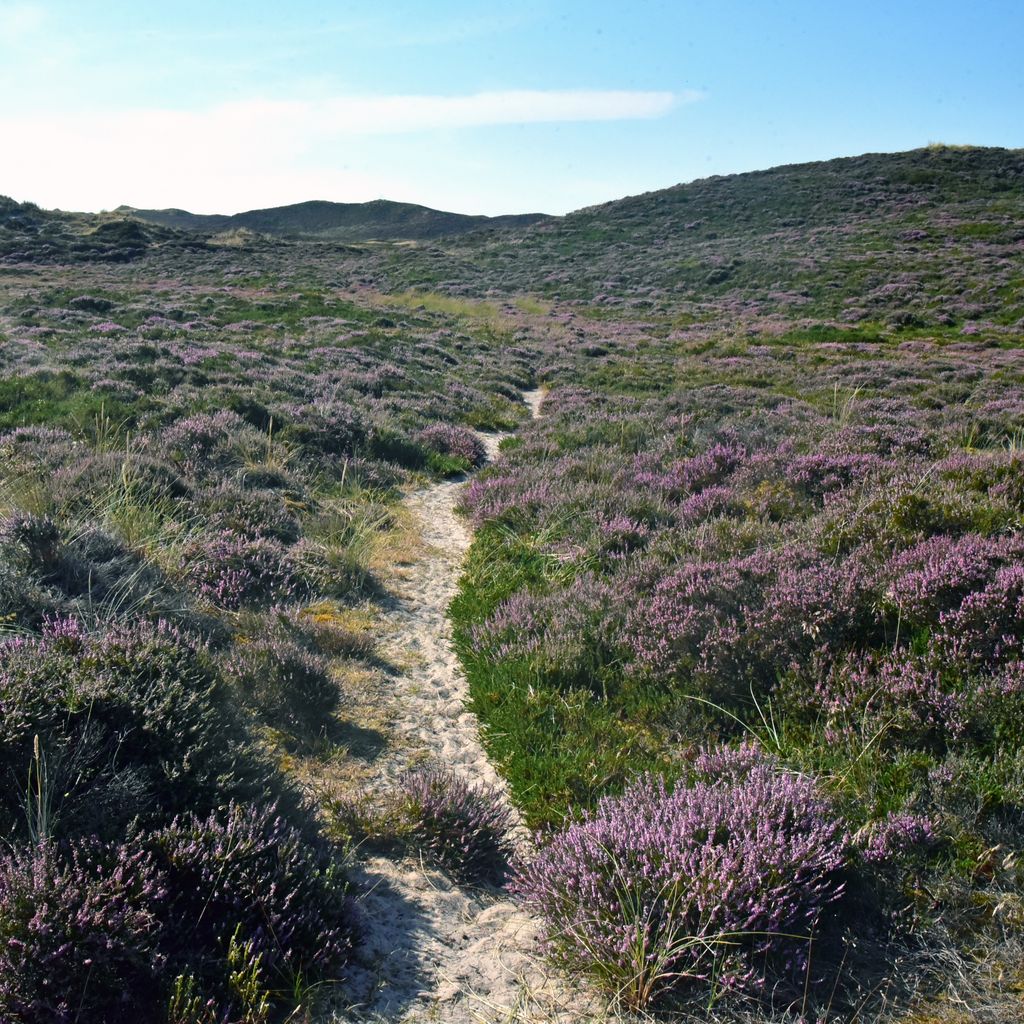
(435, 950)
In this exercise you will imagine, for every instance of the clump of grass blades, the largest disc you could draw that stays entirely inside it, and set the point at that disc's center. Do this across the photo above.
(461, 827)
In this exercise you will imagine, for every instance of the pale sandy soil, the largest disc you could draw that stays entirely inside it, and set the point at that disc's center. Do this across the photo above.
(434, 950)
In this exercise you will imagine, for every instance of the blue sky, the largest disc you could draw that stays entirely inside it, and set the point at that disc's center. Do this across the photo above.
(480, 107)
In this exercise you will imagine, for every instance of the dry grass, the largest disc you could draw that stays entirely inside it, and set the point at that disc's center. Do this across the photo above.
(532, 305)
(361, 732)
(397, 546)
(449, 305)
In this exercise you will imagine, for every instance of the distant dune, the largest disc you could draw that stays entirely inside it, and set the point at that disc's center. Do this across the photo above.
(343, 222)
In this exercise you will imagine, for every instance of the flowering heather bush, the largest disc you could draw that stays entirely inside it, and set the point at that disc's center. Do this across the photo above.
(79, 932)
(247, 874)
(249, 513)
(896, 836)
(207, 442)
(988, 627)
(462, 827)
(325, 430)
(568, 634)
(731, 623)
(33, 446)
(458, 442)
(906, 698)
(935, 576)
(717, 879)
(88, 480)
(231, 570)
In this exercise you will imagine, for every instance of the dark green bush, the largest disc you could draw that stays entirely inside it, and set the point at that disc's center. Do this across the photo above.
(130, 722)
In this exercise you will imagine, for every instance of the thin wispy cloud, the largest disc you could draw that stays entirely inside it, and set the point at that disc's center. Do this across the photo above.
(384, 115)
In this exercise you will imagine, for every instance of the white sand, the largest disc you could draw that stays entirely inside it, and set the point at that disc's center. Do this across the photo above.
(435, 950)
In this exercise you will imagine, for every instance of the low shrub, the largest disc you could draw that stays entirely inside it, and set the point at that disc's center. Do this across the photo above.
(78, 934)
(327, 430)
(92, 479)
(232, 571)
(87, 570)
(249, 513)
(245, 875)
(462, 827)
(131, 721)
(459, 443)
(288, 684)
(207, 443)
(720, 881)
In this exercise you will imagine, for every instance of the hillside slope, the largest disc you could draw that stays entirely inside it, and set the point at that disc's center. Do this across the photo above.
(933, 233)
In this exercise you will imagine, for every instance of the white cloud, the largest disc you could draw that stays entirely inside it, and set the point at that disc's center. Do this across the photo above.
(18, 20)
(264, 152)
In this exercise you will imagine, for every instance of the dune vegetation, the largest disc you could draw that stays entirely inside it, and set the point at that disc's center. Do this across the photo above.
(742, 620)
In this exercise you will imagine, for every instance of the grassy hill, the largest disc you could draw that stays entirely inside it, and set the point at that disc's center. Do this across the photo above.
(345, 222)
(829, 238)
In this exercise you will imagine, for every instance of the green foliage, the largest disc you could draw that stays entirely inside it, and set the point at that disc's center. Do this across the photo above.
(557, 746)
(447, 465)
(59, 400)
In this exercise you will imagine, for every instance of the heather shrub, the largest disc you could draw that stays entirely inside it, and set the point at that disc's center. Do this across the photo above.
(245, 875)
(988, 626)
(86, 481)
(249, 513)
(325, 430)
(458, 443)
(898, 836)
(724, 626)
(935, 576)
(998, 475)
(30, 447)
(231, 571)
(33, 542)
(569, 635)
(207, 443)
(290, 686)
(903, 698)
(79, 931)
(87, 570)
(716, 881)
(131, 722)
(461, 827)
(903, 513)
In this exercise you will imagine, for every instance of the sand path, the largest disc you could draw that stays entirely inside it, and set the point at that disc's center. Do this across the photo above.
(435, 950)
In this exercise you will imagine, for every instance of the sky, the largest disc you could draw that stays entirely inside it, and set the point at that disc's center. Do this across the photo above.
(494, 107)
